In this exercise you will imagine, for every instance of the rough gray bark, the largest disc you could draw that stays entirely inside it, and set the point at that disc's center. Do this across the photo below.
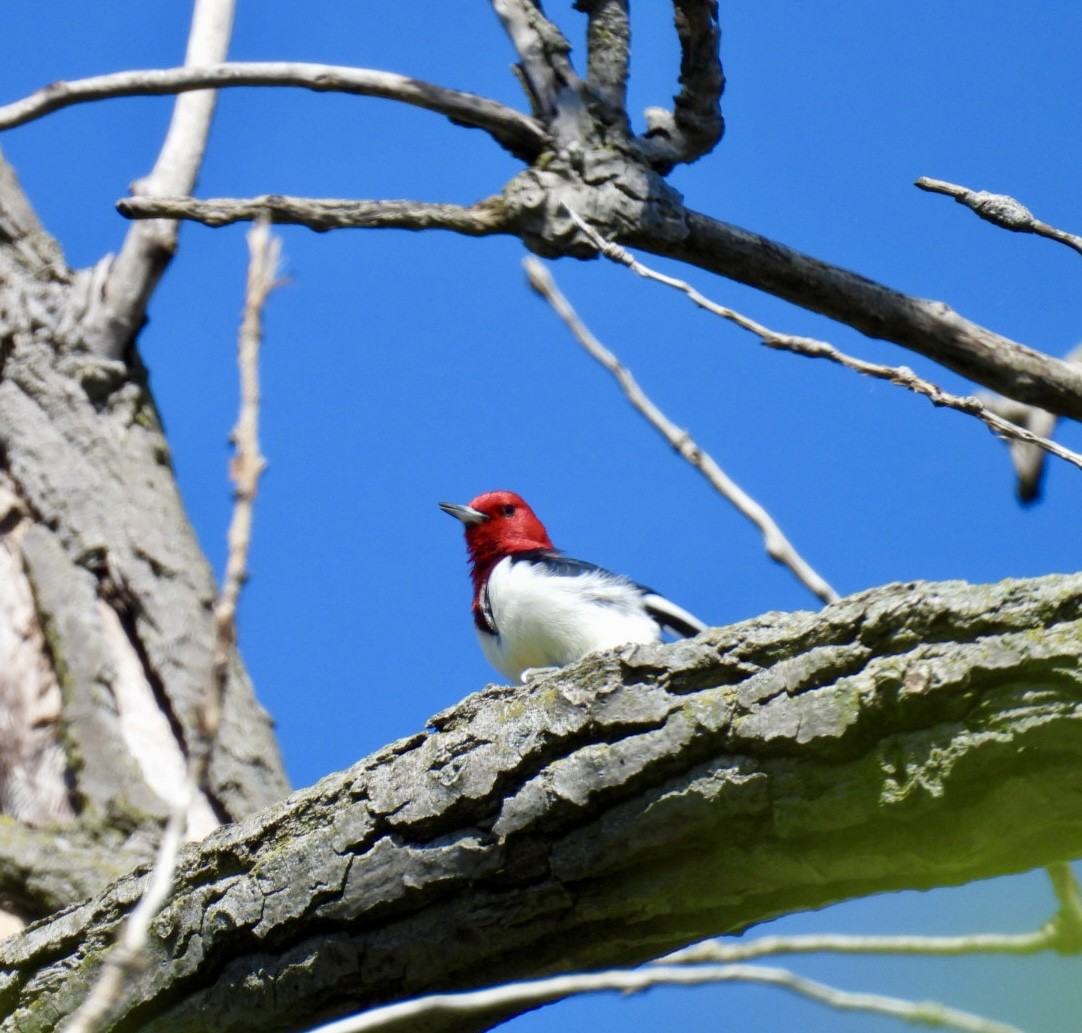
(105, 598)
(915, 735)
(600, 817)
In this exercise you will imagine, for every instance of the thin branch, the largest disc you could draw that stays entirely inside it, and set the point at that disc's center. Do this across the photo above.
(1000, 210)
(149, 247)
(717, 952)
(125, 959)
(541, 991)
(519, 133)
(813, 349)
(778, 547)
(248, 463)
(930, 328)
(477, 220)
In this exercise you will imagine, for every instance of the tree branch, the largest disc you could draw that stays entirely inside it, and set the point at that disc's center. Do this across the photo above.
(545, 69)
(543, 991)
(1001, 210)
(574, 822)
(477, 220)
(930, 328)
(1027, 457)
(777, 546)
(694, 126)
(608, 44)
(131, 277)
(518, 133)
(126, 956)
(1007, 420)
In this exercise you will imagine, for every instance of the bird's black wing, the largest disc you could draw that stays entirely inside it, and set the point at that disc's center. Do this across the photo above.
(559, 564)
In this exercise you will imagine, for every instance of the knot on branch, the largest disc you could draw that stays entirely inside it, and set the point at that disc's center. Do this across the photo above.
(610, 191)
(1002, 210)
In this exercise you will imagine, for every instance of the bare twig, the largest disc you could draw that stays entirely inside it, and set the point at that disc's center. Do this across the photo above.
(519, 133)
(123, 960)
(248, 462)
(811, 348)
(778, 547)
(477, 220)
(1063, 934)
(148, 247)
(125, 957)
(717, 952)
(1001, 210)
(539, 991)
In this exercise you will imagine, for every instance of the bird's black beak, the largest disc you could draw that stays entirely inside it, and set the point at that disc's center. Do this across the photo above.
(463, 513)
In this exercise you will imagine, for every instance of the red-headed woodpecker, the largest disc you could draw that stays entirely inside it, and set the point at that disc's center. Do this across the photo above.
(534, 607)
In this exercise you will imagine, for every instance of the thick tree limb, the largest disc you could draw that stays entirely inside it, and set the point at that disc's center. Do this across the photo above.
(42, 871)
(620, 808)
(518, 133)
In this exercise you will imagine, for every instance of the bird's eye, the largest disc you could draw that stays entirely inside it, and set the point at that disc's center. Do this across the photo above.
(509, 510)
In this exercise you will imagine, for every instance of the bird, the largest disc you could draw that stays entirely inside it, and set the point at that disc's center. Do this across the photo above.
(535, 608)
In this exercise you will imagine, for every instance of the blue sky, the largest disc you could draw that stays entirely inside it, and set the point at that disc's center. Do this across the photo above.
(401, 369)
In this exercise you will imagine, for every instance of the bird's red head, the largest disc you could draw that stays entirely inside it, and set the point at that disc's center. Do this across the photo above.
(498, 523)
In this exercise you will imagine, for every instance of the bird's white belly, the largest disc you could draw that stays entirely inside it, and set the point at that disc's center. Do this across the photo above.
(546, 620)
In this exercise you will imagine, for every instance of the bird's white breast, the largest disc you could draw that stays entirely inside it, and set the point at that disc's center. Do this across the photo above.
(548, 620)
